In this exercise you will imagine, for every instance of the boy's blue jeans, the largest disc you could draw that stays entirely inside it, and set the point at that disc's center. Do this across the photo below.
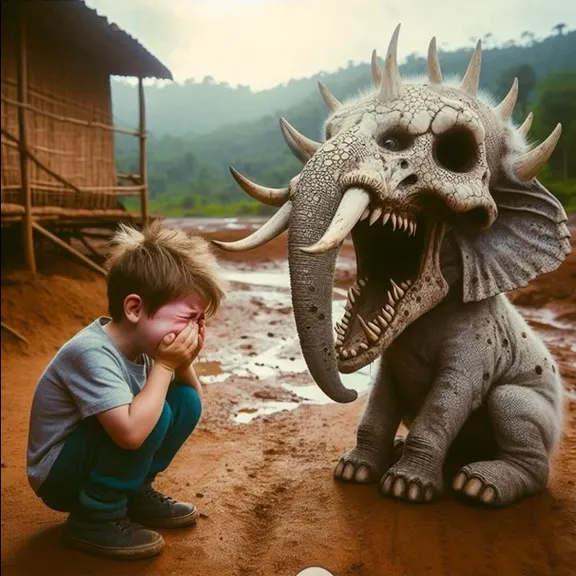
(92, 476)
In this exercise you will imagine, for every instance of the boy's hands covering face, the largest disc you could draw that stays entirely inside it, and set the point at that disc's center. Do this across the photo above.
(174, 351)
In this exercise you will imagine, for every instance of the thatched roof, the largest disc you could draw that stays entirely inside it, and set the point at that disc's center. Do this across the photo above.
(101, 41)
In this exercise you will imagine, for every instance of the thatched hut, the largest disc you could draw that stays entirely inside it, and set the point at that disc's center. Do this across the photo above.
(58, 132)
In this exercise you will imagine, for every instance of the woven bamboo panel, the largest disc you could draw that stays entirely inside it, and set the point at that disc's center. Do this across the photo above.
(65, 83)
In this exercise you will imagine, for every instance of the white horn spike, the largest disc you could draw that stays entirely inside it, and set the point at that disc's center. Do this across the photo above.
(434, 71)
(272, 228)
(506, 107)
(528, 165)
(270, 196)
(471, 79)
(391, 86)
(352, 205)
(526, 125)
(376, 72)
(303, 148)
(331, 101)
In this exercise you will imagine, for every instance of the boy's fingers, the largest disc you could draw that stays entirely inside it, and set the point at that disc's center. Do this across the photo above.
(193, 334)
(169, 338)
(184, 334)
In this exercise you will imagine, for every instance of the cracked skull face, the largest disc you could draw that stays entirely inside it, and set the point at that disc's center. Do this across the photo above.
(400, 168)
(422, 165)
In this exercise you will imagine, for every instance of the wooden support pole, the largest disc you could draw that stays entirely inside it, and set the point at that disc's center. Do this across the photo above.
(143, 159)
(28, 235)
(68, 248)
(14, 332)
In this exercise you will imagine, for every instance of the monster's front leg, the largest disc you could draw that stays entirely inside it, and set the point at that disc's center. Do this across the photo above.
(417, 476)
(374, 450)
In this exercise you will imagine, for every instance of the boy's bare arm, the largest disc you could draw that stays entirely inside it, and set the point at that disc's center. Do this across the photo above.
(131, 424)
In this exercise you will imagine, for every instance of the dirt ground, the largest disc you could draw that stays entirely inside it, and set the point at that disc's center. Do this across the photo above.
(260, 464)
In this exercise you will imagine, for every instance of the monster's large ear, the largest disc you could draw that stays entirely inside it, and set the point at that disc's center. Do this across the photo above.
(528, 238)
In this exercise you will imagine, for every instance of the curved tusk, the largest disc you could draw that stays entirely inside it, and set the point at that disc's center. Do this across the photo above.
(331, 101)
(270, 196)
(471, 79)
(434, 71)
(528, 165)
(272, 228)
(391, 86)
(506, 107)
(303, 148)
(526, 125)
(352, 205)
(376, 72)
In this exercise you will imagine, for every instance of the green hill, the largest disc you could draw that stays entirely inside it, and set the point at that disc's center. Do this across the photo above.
(189, 173)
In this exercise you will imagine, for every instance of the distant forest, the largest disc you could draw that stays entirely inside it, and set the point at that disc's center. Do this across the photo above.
(198, 129)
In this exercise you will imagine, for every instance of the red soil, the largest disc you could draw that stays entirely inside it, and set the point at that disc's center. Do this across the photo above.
(269, 503)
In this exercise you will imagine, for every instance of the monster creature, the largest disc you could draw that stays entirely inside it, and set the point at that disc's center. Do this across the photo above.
(438, 189)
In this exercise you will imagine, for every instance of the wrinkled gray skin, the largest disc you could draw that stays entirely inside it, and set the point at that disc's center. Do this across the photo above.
(458, 365)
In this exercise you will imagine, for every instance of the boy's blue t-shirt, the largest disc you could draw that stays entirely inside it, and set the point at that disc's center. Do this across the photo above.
(87, 376)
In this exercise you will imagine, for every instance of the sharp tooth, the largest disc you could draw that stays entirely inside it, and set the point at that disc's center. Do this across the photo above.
(346, 316)
(365, 214)
(356, 289)
(344, 322)
(364, 346)
(375, 328)
(409, 282)
(405, 285)
(406, 224)
(391, 300)
(398, 292)
(339, 329)
(344, 353)
(353, 353)
(390, 309)
(351, 296)
(411, 228)
(385, 218)
(370, 334)
(362, 283)
(387, 315)
(415, 224)
(393, 221)
(383, 322)
(376, 213)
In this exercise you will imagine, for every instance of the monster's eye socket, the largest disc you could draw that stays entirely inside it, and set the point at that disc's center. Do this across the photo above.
(456, 150)
(395, 141)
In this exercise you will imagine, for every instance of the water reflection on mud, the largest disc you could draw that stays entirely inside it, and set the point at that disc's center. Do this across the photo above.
(280, 358)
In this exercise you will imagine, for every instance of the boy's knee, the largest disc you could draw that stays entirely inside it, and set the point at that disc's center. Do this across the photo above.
(162, 426)
(189, 403)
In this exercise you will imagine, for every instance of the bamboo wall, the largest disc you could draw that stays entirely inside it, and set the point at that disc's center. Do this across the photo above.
(64, 84)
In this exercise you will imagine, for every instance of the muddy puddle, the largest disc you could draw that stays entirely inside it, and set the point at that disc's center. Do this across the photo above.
(266, 348)
(277, 360)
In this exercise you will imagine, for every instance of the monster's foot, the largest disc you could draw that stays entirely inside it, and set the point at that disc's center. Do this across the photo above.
(496, 482)
(357, 465)
(408, 481)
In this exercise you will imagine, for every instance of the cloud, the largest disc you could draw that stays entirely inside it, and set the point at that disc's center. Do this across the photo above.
(263, 43)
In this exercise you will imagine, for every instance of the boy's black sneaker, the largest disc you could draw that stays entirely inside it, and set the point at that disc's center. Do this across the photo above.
(117, 539)
(152, 508)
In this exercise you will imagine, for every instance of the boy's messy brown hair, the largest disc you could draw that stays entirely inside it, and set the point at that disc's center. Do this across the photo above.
(160, 265)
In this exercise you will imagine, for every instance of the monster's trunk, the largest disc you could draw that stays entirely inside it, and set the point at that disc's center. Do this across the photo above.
(311, 277)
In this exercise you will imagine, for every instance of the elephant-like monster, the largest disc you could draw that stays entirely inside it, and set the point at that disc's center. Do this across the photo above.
(438, 189)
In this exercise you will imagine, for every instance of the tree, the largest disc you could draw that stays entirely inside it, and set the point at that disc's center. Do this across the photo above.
(557, 103)
(526, 83)
(559, 28)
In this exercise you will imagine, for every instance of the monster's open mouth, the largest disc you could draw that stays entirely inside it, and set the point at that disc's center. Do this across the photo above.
(392, 249)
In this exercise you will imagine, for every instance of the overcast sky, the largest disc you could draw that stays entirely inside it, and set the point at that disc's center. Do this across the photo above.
(263, 43)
